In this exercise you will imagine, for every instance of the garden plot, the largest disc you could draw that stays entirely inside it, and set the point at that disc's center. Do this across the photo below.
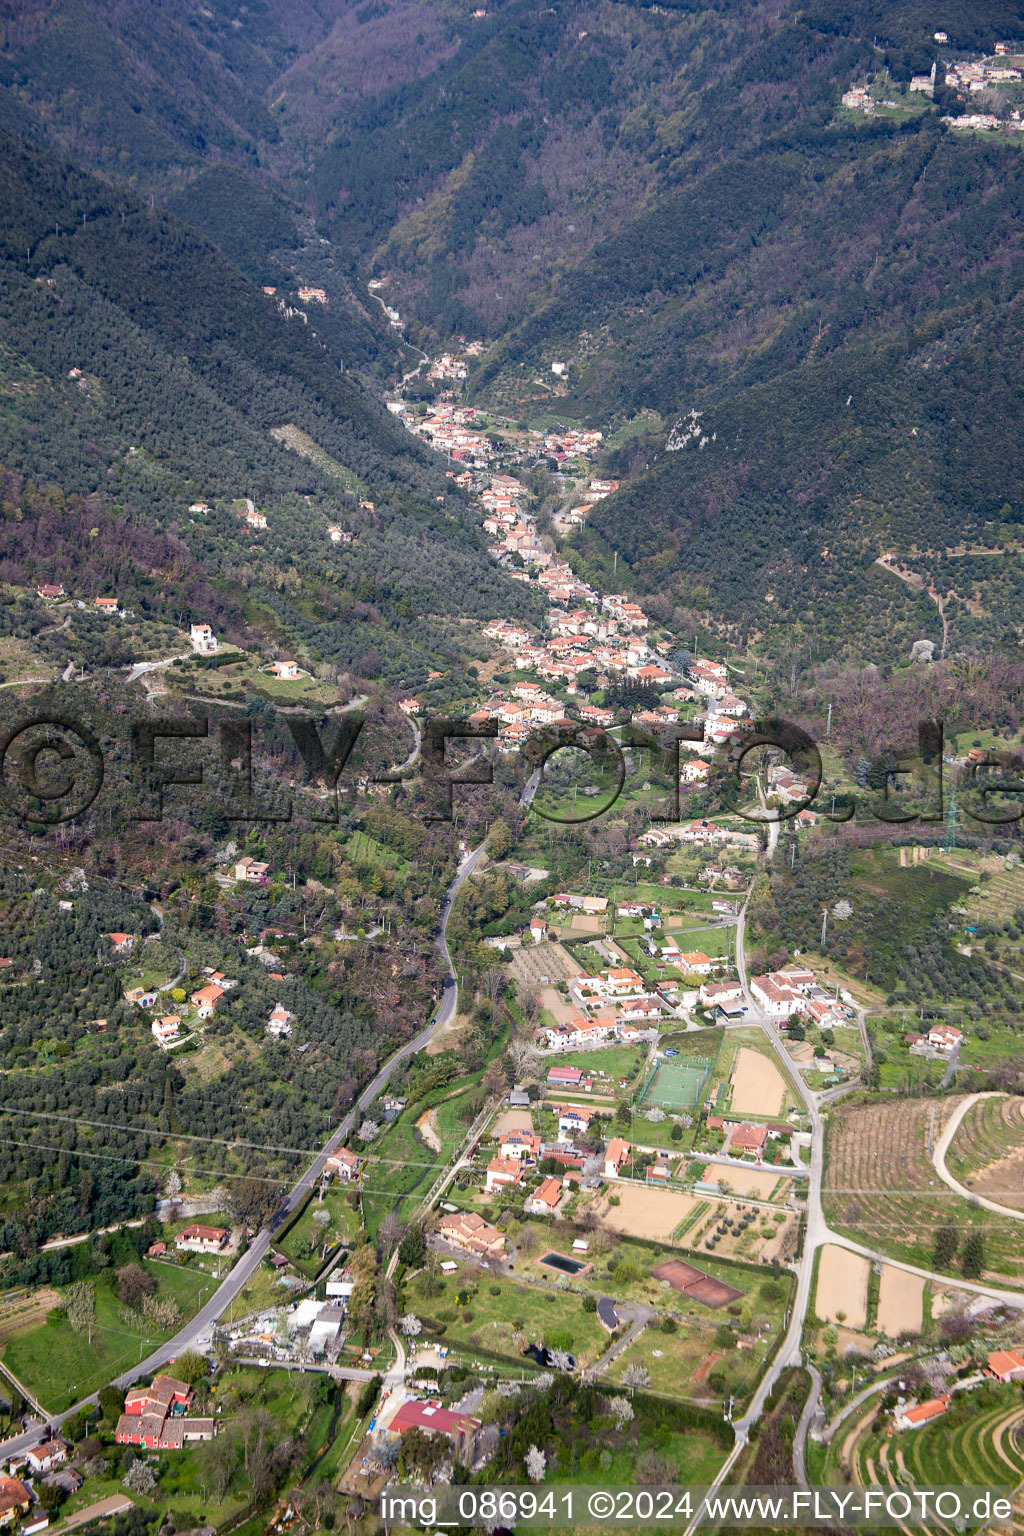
(842, 1286)
(533, 961)
(758, 1087)
(900, 1302)
(581, 923)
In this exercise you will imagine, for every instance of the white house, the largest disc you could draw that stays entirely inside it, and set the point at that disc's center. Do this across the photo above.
(574, 1120)
(204, 641)
(502, 1172)
(280, 1023)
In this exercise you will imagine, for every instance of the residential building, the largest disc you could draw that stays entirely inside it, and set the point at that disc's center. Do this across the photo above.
(1005, 1365)
(343, 1164)
(776, 1002)
(204, 641)
(616, 1155)
(251, 872)
(695, 962)
(196, 1238)
(15, 1499)
(167, 1029)
(716, 994)
(574, 1120)
(945, 1038)
(468, 1231)
(460, 1429)
(921, 1413)
(121, 943)
(49, 1454)
(748, 1138)
(205, 1000)
(523, 1146)
(157, 1417)
(501, 1172)
(544, 1200)
(142, 997)
(280, 1023)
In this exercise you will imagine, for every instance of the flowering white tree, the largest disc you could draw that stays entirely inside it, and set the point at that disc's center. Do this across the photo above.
(368, 1130)
(561, 1359)
(622, 1411)
(411, 1325)
(655, 1116)
(536, 1464)
(635, 1376)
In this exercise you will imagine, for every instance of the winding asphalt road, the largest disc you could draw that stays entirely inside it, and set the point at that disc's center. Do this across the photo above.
(231, 1287)
(235, 1282)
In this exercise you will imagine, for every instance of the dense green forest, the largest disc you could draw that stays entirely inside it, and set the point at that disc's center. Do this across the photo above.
(141, 372)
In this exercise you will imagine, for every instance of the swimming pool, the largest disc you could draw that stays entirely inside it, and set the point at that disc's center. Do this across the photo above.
(564, 1264)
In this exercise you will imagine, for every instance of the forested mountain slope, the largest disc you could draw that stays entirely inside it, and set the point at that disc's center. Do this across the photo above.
(667, 197)
(140, 369)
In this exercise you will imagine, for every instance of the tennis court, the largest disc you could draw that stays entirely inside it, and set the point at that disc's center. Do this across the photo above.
(676, 1083)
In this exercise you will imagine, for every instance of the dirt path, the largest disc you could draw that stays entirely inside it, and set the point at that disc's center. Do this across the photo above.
(912, 579)
(427, 1127)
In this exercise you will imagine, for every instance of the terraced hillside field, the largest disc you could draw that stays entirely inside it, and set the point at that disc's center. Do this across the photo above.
(881, 1189)
(987, 1153)
(979, 1442)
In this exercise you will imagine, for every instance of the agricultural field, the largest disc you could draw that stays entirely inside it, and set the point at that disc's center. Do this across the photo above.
(23, 1310)
(737, 1230)
(404, 1158)
(753, 1183)
(900, 1302)
(994, 902)
(365, 850)
(691, 1365)
(842, 1291)
(880, 1187)
(987, 1152)
(977, 1441)
(614, 1061)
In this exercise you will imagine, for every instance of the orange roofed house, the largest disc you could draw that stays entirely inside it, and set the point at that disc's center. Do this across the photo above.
(501, 1172)
(198, 1239)
(923, 1413)
(466, 1230)
(616, 1155)
(1005, 1365)
(206, 999)
(748, 1138)
(544, 1200)
(15, 1499)
(157, 1417)
(343, 1163)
